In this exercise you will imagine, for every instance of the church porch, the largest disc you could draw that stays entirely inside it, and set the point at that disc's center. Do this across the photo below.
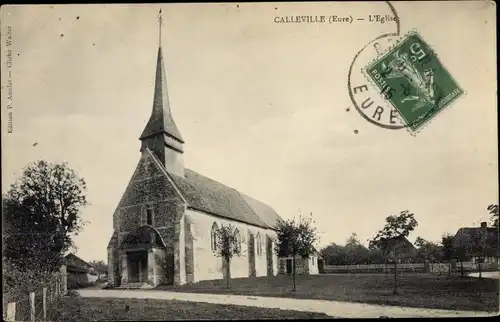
(142, 259)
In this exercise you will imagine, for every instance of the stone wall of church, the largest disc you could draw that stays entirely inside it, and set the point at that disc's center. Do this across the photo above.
(149, 188)
(207, 266)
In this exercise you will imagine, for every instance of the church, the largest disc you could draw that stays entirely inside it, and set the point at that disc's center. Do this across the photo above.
(166, 221)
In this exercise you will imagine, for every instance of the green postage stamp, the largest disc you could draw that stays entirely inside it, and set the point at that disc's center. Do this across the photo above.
(413, 79)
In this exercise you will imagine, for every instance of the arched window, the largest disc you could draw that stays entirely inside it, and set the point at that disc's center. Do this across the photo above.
(213, 237)
(237, 242)
(259, 244)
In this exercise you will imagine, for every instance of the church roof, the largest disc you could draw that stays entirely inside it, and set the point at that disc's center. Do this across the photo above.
(202, 193)
(161, 120)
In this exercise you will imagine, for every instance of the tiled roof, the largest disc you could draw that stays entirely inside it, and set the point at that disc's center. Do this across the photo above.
(202, 193)
(468, 234)
(72, 259)
(265, 212)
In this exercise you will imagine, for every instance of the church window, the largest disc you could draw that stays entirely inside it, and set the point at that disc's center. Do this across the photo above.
(149, 216)
(259, 244)
(213, 237)
(237, 241)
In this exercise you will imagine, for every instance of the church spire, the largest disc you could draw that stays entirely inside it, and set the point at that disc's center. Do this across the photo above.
(160, 22)
(161, 134)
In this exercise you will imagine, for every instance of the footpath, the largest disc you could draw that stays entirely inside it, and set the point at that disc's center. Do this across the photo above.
(337, 309)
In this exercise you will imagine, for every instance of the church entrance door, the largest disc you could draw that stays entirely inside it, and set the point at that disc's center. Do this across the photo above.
(137, 263)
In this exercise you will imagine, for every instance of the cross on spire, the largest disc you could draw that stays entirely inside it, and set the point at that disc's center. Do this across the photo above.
(160, 22)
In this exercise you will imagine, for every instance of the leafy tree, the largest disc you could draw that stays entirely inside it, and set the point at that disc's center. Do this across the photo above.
(334, 254)
(228, 244)
(295, 238)
(390, 239)
(42, 211)
(448, 250)
(355, 252)
(493, 209)
(478, 248)
(461, 251)
(428, 250)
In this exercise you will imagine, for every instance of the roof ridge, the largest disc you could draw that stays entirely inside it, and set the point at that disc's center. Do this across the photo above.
(128, 185)
(246, 203)
(238, 191)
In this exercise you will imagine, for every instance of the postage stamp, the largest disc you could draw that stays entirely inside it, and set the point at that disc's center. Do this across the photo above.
(412, 78)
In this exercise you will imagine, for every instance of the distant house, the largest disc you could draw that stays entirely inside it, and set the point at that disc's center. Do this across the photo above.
(478, 242)
(79, 271)
(303, 266)
(402, 247)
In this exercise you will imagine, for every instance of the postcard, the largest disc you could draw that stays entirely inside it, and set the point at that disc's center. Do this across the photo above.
(193, 161)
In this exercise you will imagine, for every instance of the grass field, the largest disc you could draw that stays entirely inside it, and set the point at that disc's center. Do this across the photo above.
(421, 290)
(111, 309)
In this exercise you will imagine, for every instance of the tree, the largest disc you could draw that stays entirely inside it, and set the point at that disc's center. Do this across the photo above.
(461, 251)
(428, 250)
(99, 266)
(355, 252)
(334, 254)
(448, 250)
(493, 209)
(390, 240)
(295, 238)
(42, 211)
(478, 248)
(228, 244)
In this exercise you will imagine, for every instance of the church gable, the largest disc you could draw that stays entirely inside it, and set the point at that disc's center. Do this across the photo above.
(149, 196)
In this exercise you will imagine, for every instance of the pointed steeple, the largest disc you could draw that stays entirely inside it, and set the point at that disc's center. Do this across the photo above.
(161, 119)
(161, 134)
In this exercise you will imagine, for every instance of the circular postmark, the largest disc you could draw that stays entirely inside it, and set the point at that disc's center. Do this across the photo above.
(369, 102)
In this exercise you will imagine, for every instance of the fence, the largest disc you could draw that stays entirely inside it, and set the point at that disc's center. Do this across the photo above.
(373, 268)
(37, 306)
(413, 267)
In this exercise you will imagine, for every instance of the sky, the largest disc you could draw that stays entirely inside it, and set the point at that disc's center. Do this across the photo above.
(262, 106)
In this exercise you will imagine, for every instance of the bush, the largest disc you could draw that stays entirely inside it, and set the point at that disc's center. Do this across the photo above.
(18, 283)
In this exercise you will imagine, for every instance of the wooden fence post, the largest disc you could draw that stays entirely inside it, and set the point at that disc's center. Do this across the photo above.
(11, 312)
(44, 299)
(32, 306)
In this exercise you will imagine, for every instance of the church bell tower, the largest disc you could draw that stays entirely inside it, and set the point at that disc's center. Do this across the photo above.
(161, 134)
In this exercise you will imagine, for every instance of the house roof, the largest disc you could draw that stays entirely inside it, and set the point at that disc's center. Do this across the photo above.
(409, 248)
(207, 195)
(468, 234)
(75, 261)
